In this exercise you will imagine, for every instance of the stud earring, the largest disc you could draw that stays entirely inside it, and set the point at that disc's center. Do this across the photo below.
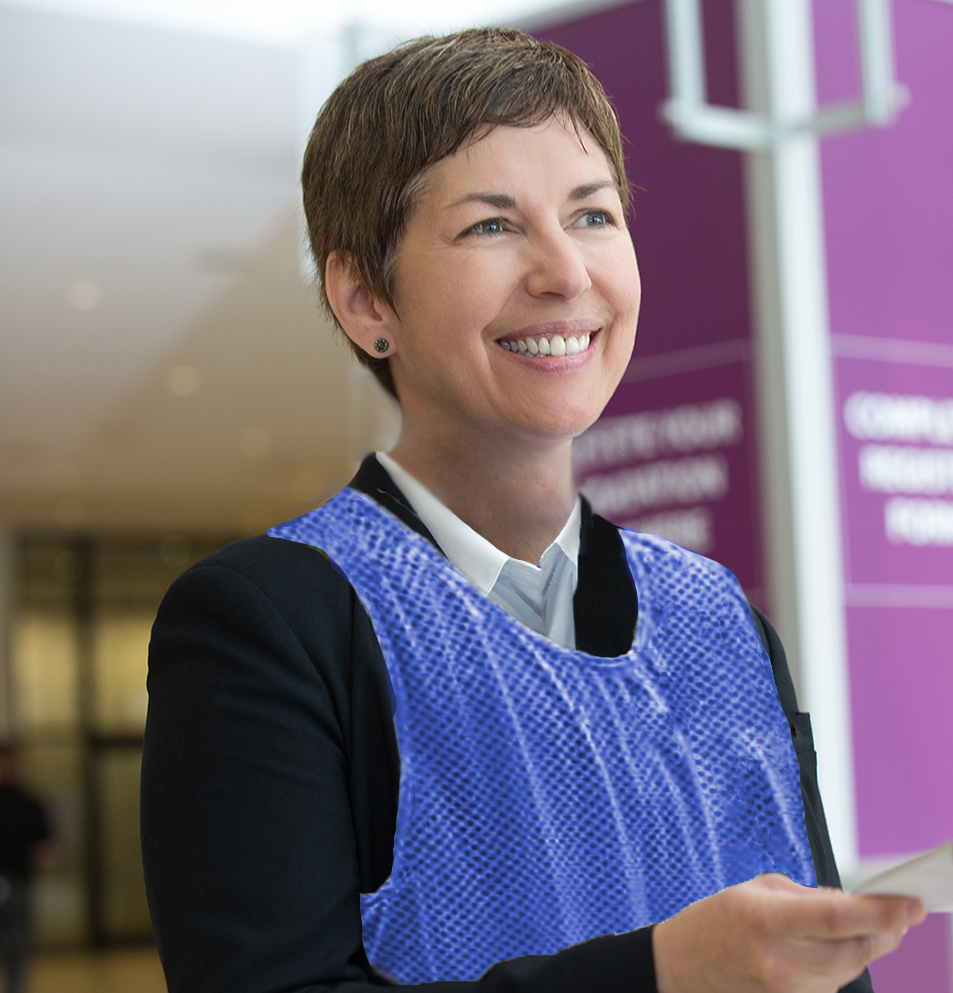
(382, 344)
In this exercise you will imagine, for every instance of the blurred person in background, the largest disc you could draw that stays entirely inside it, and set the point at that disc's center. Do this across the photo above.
(24, 840)
(452, 730)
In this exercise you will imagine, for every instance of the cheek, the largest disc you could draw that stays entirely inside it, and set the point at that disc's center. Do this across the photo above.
(627, 279)
(472, 293)
(628, 297)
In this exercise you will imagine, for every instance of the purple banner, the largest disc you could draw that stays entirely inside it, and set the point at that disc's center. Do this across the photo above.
(889, 229)
(896, 443)
(897, 476)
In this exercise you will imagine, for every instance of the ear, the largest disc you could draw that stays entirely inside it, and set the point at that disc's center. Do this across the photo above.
(364, 318)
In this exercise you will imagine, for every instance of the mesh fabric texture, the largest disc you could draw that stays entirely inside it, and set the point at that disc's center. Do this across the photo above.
(548, 796)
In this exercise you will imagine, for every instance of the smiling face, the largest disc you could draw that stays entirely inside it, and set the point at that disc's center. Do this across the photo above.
(517, 248)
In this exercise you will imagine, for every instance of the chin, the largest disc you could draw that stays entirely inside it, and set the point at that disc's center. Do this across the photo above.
(564, 423)
(576, 416)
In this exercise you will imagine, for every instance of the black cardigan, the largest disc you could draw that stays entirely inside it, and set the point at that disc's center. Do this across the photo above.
(270, 773)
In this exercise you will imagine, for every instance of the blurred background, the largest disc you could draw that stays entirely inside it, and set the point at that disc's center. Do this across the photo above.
(168, 382)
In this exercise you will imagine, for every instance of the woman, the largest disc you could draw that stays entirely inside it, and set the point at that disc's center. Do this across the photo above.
(451, 729)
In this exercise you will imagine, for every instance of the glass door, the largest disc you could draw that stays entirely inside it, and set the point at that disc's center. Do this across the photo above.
(79, 672)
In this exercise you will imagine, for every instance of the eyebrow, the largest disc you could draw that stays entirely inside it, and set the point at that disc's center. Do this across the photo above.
(503, 201)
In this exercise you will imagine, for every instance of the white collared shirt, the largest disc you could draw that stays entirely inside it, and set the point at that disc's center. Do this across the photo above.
(540, 596)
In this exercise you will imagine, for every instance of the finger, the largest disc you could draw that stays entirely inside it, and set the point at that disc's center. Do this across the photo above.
(884, 944)
(867, 916)
(845, 960)
(916, 913)
(830, 915)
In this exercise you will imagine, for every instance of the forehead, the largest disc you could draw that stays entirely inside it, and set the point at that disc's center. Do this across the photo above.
(549, 158)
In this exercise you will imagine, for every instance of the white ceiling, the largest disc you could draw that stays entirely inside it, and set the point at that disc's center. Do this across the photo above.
(147, 185)
(142, 162)
(290, 22)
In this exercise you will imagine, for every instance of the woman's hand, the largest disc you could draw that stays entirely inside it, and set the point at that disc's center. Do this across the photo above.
(771, 935)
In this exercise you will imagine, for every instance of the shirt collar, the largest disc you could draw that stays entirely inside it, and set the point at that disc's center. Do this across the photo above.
(469, 552)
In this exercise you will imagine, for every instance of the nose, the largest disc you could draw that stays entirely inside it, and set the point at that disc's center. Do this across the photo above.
(556, 267)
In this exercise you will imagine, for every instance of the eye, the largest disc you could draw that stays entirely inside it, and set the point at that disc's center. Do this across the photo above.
(493, 225)
(595, 219)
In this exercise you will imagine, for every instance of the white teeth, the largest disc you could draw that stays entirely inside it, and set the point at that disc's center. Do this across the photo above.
(556, 345)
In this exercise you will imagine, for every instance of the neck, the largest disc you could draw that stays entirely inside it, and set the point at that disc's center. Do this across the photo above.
(517, 497)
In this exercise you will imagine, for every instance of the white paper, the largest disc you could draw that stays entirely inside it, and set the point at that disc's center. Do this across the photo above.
(928, 876)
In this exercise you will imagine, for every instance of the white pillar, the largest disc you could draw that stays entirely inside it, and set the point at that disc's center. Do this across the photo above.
(8, 599)
(795, 387)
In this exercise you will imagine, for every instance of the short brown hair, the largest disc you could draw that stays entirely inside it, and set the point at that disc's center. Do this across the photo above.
(398, 114)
